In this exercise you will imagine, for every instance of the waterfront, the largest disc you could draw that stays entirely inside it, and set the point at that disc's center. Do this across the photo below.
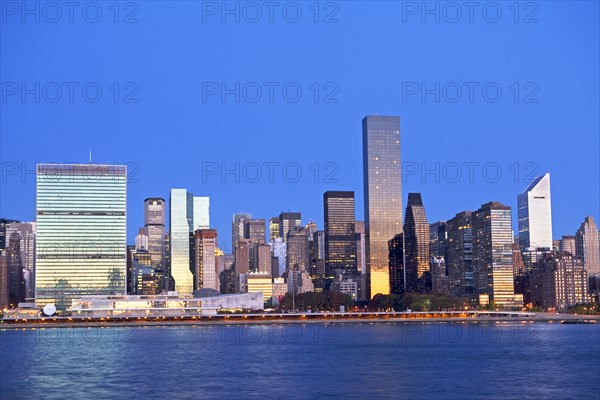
(450, 360)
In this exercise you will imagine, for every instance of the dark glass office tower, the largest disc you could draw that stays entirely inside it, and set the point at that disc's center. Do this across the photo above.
(155, 211)
(340, 241)
(396, 260)
(288, 221)
(460, 254)
(416, 245)
(382, 177)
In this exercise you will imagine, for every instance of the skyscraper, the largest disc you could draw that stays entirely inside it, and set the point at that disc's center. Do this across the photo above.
(361, 259)
(587, 243)
(492, 253)
(273, 228)
(416, 246)
(201, 213)
(181, 220)
(396, 260)
(26, 232)
(154, 225)
(255, 230)
(437, 239)
(237, 228)
(460, 254)
(535, 215)
(382, 177)
(568, 245)
(288, 221)
(340, 240)
(206, 275)
(81, 231)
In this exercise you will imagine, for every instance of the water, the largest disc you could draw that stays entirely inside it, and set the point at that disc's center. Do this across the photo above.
(365, 360)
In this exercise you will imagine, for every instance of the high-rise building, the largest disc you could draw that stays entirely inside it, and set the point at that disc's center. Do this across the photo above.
(237, 228)
(361, 247)
(289, 221)
(318, 254)
(16, 278)
(460, 254)
(242, 257)
(81, 232)
(382, 195)
(396, 261)
(297, 250)
(26, 232)
(558, 281)
(273, 228)
(254, 230)
(340, 240)
(260, 282)
(181, 213)
(141, 240)
(4, 301)
(201, 213)
(437, 239)
(279, 251)
(492, 253)
(155, 210)
(416, 246)
(535, 215)
(261, 258)
(3, 223)
(206, 274)
(587, 246)
(568, 245)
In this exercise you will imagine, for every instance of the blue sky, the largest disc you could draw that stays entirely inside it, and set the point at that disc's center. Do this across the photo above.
(169, 122)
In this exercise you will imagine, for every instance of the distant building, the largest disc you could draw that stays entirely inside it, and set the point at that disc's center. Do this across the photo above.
(279, 251)
(416, 246)
(568, 245)
(279, 290)
(227, 281)
(81, 232)
(559, 281)
(187, 213)
(237, 228)
(206, 274)
(340, 240)
(439, 278)
(141, 240)
(459, 261)
(273, 228)
(347, 285)
(437, 239)
(587, 243)
(4, 300)
(254, 230)
(361, 247)
(535, 215)
(396, 261)
(382, 183)
(261, 282)
(26, 236)
(289, 221)
(297, 250)
(492, 253)
(155, 210)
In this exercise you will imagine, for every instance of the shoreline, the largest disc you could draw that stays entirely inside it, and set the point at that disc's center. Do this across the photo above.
(275, 319)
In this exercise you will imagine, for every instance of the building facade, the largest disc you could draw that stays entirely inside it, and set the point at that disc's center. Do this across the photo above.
(382, 175)
(81, 232)
(587, 246)
(535, 215)
(340, 240)
(416, 246)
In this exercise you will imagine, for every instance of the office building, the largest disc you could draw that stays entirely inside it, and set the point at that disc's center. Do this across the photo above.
(206, 274)
(260, 282)
(535, 215)
(81, 232)
(587, 246)
(255, 230)
(382, 195)
(492, 254)
(558, 281)
(288, 221)
(273, 228)
(459, 261)
(237, 228)
(568, 245)
(340, 240)
(155, 210)
(25, 234)
(416, 246)
(396, 262)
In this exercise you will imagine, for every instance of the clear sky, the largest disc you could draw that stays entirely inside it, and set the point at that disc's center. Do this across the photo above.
(162, 67)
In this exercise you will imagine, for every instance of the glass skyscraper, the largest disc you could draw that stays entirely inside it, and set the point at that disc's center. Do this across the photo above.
(416, 245)
(535, 215)
(181, 217)
(492, 253)
(382, 177)
(81, 231)
(340, 240)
